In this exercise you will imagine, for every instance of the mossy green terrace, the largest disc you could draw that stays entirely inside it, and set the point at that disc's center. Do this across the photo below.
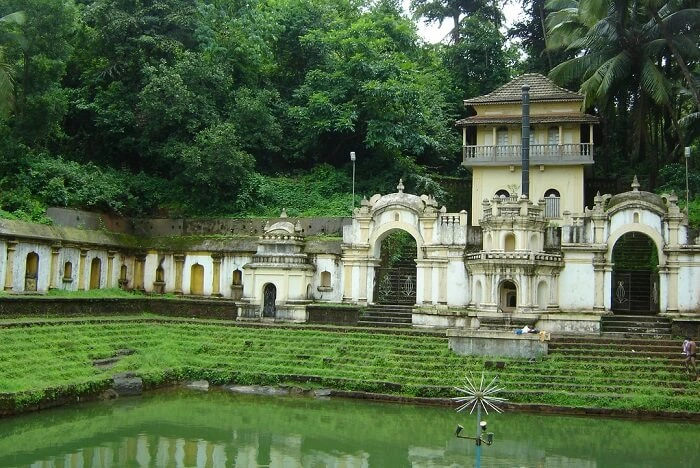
(39, 359)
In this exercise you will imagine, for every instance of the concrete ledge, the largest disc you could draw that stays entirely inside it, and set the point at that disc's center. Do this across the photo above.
(493, 343)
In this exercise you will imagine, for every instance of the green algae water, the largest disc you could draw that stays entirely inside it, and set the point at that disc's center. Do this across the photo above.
(184, 428)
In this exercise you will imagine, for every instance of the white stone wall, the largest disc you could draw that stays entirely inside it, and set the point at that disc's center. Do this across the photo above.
(577, 282)
(332, 265)
(689, 285)
(20, 263)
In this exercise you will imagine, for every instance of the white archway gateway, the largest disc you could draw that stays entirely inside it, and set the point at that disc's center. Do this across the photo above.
(440, 241)
(589, 244)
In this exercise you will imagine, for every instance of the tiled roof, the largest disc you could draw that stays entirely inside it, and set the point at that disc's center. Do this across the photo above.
(534, 119)
(541, 89)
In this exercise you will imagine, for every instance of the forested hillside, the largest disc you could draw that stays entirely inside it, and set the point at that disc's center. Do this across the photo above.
(231, 107)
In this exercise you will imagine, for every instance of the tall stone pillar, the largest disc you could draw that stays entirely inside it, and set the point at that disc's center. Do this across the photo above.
(53, 273)
(599, 278)
(179, 267)
(424, 276)
(442, 283)
(10, 264)
(553, 305)
(672, 282)
(216, 276)
(82, 277)
(110, 268)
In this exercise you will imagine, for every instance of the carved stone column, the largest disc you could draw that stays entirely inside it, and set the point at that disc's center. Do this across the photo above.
(10, 264)
(179, 266)
(110, 268)
(82, 277)
(53, 273)
(216, 276)
(599, 277)
(672, 282)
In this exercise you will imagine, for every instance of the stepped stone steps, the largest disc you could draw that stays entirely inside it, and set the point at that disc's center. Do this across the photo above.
(611, 341)
(605, 381)
(601, 388)
(636, 325)
(386, 316)
(674, 347)
(580, 353)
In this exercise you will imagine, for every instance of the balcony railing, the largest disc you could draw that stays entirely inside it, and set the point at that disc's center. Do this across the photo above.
(570, 153)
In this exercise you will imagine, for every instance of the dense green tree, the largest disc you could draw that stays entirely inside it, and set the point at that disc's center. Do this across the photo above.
(372, 93)
(625, 70)
(482, 61)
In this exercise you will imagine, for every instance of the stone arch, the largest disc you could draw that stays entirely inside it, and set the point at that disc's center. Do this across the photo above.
(375, 240)
(507, 295)
(643, 229)
(269, 299)
(31, 271)
(95, 273)
(197, 279)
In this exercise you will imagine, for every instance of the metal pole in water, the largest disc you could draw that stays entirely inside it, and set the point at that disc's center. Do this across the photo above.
(478, 436)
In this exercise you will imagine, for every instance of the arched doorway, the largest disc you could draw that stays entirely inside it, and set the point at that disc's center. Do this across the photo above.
(269, 298)
(508, 296)
(635, 275)
(395, 278)
(95, 270)
(197, 279)
(31, 271)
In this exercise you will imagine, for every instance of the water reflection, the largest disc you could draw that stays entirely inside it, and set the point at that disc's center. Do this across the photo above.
(217, 429)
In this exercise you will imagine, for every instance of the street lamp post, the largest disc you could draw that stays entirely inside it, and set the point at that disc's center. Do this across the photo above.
(352, 158)
(478, 397)
(687, 189)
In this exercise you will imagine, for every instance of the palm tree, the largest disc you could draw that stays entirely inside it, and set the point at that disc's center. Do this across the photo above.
(622, 62)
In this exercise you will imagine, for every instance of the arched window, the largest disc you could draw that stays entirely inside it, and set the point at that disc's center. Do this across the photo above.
(67, 271)
(95, 273)
(503, 194)
(197, 279)
(31, 273)
(509, 242)
(326, 279)
(237, 278)
(551, 203)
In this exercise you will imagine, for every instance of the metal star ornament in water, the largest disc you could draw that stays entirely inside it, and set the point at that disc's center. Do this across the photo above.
(481, 396)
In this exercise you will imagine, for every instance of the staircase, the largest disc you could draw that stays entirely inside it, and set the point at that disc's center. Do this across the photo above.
(394, 316)
(635, 326)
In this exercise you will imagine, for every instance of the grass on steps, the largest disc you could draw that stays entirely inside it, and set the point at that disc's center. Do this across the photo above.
(34, 358)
